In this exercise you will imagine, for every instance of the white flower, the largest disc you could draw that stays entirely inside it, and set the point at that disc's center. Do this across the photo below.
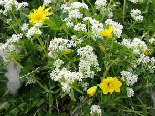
(76, 40)
(130, 92)
(33, 31)
(9, 43)
(58, 45)
(136, 1)
(100, 4)
(8, 4)
(95, 110)
(77, 5)
(58, 63)
(85, 86)
(88, 59)
(152, 40)
(68, 21)
(67, 7)
(129, 78)
(24, 27)
(137, 45)
(65, 77)
(21, 5)
(136, 15)
(47, 2)
(75, 14)
(80, 27)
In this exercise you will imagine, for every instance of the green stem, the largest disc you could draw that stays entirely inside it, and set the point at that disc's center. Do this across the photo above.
(12, 25)
(124, 5)
(91, 6)
(107, 69)
(41, 85)
(42, 46)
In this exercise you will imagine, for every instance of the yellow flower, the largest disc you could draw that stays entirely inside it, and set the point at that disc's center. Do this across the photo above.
(146, 51)
(91, 91)
(110, 84)
(107, 32)
(68, 51)
(39, 15)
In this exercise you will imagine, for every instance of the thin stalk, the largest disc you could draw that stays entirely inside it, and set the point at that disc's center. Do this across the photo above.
(124, 5)
(107, 69)
(42, 46)
(41, 85)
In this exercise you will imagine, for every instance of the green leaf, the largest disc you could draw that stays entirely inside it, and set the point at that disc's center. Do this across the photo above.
(78, 90)
(51, 24)
(153, 1)
(50, 95)
(63, 95)
(144, 111)
(4, 105)
(72, 94)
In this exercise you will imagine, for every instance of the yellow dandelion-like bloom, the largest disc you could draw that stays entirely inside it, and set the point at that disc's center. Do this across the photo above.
(107, 32)
(146, 51)
(110, 84)
(39, 15)
(91, 91)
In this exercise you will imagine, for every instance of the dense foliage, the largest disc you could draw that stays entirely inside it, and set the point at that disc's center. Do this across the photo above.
(78, 58)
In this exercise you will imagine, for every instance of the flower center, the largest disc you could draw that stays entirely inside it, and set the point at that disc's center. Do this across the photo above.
(109, 85)
(38, 17)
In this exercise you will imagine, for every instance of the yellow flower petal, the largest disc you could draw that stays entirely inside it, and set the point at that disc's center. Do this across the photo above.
(39, 15)
(91, 91)
(110, 85)
(107, 32)
(104, 87)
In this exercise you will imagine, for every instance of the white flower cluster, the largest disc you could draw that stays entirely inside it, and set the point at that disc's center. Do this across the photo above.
(136, 15)
(9, 43)
(152, 41)
(80, 27)
(73, 11)
(130, 92)
(85, 86)
(136, 1)
(147, 62)
(117, 28)
(129, 78)
(100, 4)
(34, 30)
(24, 27)
(75, 14)
(64, 76)
(76, 40)
(67, 7)
(7, 4)
(95, 110)
(68, 22)
(96, 27)
(137, 45)
(58, 45)
(47, 2)
(88, 60)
